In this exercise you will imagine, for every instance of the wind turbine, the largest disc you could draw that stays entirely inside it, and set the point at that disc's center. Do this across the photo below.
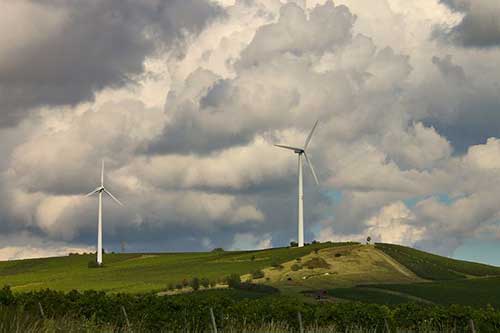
(100, 190)
(300, 209)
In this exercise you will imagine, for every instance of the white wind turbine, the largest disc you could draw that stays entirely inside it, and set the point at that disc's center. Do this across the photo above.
(300, 209)
(100, 190)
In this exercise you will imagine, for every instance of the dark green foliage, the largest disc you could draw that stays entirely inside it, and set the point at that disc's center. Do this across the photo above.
(150, 313)
(218, 249)
(294, 244)
(258, 274)
(233, 280)
(205, 282)
(195, 283)
(316, 263)
(434, 267)
(296, 267)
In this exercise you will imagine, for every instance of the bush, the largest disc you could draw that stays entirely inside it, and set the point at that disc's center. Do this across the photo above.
(316, 263)
(195, 283)
(258, 274)
(294, 244)
(233, 280)
(337, 255)
(218, 249)
(296, 267)
(205, 282)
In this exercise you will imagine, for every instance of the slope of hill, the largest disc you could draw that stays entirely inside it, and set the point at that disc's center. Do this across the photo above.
(140, 272)
(337, 267)
(433, 267)
(383, 273)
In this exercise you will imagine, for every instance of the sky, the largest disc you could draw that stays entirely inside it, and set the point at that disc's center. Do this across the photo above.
(184, 99)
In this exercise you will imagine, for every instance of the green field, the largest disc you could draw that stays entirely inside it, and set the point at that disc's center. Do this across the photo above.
(136, 273)
(433, 267)
(473, 292)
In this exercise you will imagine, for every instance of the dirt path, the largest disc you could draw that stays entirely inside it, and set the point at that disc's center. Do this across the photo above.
(397, 293)
(397, 266)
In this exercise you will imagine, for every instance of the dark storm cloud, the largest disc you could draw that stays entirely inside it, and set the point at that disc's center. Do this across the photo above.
(480, 26)
(474, 117)
(99, 44)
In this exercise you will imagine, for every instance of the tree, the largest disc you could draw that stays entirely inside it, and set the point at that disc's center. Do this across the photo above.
(195, 283)
(233, 280)
(368, 239)
(205, 282)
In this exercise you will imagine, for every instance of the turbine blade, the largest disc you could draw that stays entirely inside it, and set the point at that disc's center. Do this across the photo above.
(113, 197)
(310, 135)
(93, 192)
(311, 168)
(288, 147)
(102, 173)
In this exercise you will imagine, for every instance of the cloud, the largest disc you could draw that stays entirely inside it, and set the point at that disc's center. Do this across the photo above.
(246, 241)
(406, 140)
(62, 53)
(479, 26)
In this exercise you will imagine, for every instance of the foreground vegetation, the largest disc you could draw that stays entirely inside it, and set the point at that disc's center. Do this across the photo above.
(234, 311)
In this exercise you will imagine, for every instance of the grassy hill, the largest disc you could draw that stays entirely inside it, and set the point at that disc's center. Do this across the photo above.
(384, 273)
(433, 267)
(140, 272)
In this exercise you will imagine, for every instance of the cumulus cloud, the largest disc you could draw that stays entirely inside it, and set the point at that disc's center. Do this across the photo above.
(405, 150)
(479, 26)
(62, 53)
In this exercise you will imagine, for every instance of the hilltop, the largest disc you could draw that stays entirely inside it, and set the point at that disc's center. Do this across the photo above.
(380, 273)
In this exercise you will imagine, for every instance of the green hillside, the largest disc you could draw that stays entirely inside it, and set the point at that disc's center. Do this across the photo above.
(385, 273)
(473, 292)
(140, 272)
(433, 267)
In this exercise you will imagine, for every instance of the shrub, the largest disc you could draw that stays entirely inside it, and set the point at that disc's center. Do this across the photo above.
(337, 255)
(296, 267)
(252, 258)
(205, 282)
(276, 264)
(218, 249)
(233, 280)
(195, 283)
(258, 274)
(178, 286)
(316, 263)
(294, 244)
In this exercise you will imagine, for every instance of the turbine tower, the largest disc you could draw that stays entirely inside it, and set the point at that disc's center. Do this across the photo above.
(100, 190)
(300, 209)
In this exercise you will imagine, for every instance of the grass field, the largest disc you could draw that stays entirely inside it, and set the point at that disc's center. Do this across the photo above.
(136, 273)
(434, 267)
(473, 292)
